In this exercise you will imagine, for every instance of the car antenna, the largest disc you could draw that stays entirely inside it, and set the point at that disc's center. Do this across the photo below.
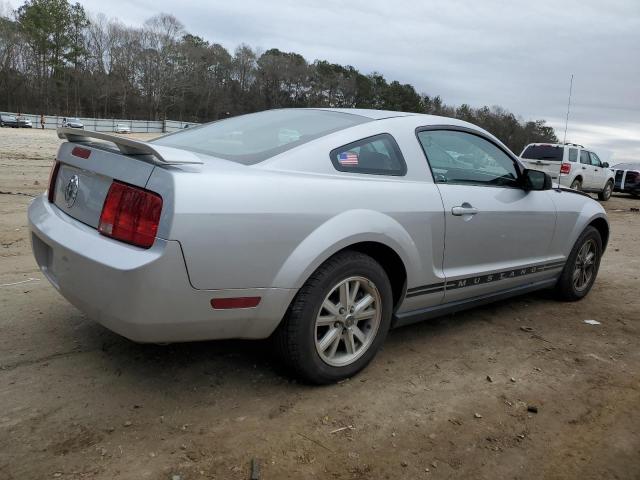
(566, 124)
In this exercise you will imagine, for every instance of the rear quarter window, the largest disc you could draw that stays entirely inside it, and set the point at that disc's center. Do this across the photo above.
(377, 155)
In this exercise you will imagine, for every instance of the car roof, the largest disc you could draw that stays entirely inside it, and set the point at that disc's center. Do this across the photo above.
(419, 119)
(572, 145)
(367, 112)
(413, 119)
(627, 165)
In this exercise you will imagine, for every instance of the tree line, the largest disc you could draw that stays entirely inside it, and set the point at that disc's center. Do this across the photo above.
(56, 59)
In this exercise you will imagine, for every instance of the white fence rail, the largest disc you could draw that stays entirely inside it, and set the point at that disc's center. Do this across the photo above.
(108, 124)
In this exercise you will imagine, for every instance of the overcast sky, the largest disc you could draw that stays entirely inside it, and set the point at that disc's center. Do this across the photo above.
(517, 54)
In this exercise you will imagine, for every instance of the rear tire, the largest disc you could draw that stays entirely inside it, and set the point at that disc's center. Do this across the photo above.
(582, 266)
(576, 184)
(328, 333)
(605, 194)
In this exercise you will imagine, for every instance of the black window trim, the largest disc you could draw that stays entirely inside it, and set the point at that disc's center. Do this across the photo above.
(370, 171)
(520, 168)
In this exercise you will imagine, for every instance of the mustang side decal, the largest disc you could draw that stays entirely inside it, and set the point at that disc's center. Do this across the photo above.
(482, 279)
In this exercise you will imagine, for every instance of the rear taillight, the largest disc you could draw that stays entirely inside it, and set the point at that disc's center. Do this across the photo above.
(130, 214)
(53, 175)
(565, 168)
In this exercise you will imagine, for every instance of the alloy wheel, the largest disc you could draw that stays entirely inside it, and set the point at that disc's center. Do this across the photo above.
(584, 266)
(348, 321)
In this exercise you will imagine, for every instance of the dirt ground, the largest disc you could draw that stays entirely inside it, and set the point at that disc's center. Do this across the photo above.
(444, 399)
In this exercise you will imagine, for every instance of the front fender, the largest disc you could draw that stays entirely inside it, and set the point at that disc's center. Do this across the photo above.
(575, 213)
(341, 231)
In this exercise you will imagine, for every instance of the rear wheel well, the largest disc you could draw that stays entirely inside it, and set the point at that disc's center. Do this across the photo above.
(601, 225)
(390, 261)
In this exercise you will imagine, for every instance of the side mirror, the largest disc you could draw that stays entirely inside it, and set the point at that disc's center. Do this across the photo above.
(536, 180)
(605, 165)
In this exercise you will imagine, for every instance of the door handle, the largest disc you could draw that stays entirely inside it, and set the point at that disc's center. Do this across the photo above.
(584, 168)
(464, 209)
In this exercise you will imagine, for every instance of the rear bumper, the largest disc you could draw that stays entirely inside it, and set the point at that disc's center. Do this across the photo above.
(144, 295)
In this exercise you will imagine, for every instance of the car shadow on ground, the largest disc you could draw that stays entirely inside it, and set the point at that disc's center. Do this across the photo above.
(253, 361)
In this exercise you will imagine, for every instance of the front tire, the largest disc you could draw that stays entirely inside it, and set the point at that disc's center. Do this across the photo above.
(605, 194)
(337, 321)
(582, 266)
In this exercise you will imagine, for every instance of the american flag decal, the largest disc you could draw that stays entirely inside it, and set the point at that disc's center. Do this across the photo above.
(349, 159)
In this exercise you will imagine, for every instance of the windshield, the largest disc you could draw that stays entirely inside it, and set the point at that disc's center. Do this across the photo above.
(250, 139)
(544, 152)
(8, 118)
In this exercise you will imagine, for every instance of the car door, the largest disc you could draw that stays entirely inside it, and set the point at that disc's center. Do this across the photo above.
(497, 235)
(587, 170)
(599, 172)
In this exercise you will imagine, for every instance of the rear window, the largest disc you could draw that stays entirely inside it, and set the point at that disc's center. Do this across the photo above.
(250, 139)
(543, 152)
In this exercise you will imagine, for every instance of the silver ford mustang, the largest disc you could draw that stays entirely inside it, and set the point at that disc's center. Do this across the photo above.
(320, 228)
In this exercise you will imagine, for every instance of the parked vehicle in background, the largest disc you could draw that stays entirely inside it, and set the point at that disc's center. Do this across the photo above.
(8, 121)
(72, 123)
(571, 165)
(122, 128)
(24, 122)
(627, 178)
(320, 227)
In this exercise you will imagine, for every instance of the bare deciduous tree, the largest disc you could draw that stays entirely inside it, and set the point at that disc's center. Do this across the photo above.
(54, 59)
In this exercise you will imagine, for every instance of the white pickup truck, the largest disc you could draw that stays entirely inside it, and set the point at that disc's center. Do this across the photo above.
(571, 165)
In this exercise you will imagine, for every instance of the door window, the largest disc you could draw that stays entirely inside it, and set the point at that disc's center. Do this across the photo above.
(595, 161)
(584, 157)
(465, 158)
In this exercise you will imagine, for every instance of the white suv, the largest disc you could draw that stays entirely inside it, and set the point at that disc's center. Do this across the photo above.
(571, 165)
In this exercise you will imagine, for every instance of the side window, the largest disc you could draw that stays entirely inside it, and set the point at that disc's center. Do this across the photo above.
(460, 157)
(595, 161)
(584, 157)
(573, 155)
(379, 155)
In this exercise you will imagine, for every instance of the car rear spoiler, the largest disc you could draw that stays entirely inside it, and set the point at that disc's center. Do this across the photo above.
(162, 155)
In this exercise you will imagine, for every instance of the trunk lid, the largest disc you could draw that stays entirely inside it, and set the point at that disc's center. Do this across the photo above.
(82, 184)
(547, 166)
(87, 169)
